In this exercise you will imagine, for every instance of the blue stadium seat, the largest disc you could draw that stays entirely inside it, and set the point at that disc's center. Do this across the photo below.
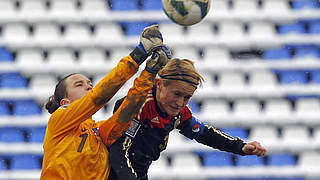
(303, 51)
(283, 159)
(255, 178)
(3, 165)
(314, 27)
(26, 107)
(135, 28)
(288, 178)
(194, 107)
(315, 77)
(249, 161)
(25, 161)
(5, 55)
(236, 132)
(292, 28)
(4, 108)
(289, 77)
(124, 5)
(300, 4)
(276, 54)
(13, 80)
(11, 135)
(37, 134)
(217, 159)
(152, 5)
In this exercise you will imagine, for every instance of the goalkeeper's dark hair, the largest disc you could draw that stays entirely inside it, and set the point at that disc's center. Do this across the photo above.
(182, 70)
(60, 92)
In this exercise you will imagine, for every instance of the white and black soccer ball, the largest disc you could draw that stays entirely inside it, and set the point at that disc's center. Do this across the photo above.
(186, 12)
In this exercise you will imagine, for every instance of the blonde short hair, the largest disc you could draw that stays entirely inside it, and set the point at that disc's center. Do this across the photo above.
(182, 70)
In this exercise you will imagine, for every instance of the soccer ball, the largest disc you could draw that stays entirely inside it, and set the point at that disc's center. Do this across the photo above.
(186, 12)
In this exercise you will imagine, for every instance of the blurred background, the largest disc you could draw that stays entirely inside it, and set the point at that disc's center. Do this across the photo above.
(260, 60)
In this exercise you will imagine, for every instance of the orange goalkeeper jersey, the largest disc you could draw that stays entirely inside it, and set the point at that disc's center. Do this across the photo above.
(74, 145)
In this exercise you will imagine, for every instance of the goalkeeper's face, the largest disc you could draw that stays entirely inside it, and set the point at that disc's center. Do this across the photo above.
(77, 86)
(172, 97)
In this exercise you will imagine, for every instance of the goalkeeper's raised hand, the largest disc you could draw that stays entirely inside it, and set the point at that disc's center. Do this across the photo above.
(158, 60)
(150, 39)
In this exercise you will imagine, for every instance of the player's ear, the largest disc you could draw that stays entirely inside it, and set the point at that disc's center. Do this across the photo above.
(64, 101)
(158, 83)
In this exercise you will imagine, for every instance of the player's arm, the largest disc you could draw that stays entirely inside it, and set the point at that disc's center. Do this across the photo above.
(71, 116)
(210, 136)
(121, 119)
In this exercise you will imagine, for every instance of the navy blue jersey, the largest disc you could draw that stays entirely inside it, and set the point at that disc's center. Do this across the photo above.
(148, 134)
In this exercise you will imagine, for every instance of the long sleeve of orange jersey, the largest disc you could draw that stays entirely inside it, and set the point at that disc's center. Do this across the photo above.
(115, 126)
(69, 117)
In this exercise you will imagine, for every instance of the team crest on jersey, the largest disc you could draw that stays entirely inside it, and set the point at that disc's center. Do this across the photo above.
(133, 128)
(155, 120)
(177, 121)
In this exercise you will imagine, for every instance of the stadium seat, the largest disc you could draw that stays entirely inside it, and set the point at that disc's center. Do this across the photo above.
(15, 32)
(218, 159)
(135, 28)
(281, 159)
(230, 27)
(315, 77)
(61, 58)
(191, 53)
(306, 51)
(63, 9)
(32, 8)
(307, 107)
(215, 109)
(277, 109)
(216, 55)
(194, 106)
(202, 31)
(264, 134)
(231, 80)
(47, 33)
(151, 5)
(92, 58)
(249, 161)
(296, 28)
(108, 32)
(3, 165)
(309, 160)
(124, 5)
(5, 55)
(275, 7)
(24, 162)
(236, 132)
(251, 7)
(92, 8)
(314, 28)
(304, 4)
(171, 31)
(76, 33)
(292, 77)
(262, 79)
(276, 54)
(25, 107)
(13, 80)
(186, 161)
(288, 178)
(4, 108)
(246, 108)
(36, 134)
(262, 30)
(295, 135)
(7, 8)
(11, 135)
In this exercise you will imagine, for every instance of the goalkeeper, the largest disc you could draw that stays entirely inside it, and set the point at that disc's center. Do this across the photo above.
(74, 144)
(166, 108)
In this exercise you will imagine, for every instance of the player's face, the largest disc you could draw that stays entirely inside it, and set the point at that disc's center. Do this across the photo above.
(77, 86)
(172, 98)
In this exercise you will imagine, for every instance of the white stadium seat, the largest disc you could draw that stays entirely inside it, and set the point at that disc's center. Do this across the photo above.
(33, 8)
